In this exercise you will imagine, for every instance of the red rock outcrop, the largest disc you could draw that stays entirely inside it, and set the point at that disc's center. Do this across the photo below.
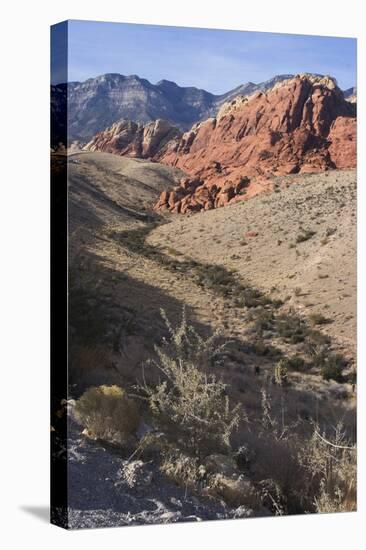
(343, 146)
(302, 125)
(128, 138)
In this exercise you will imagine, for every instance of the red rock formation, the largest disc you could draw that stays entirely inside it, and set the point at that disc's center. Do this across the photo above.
(134, 140)
(301, 125)
(343, 146)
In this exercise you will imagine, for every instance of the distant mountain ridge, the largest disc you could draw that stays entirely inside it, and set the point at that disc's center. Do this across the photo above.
(301, 124)
(99, 102)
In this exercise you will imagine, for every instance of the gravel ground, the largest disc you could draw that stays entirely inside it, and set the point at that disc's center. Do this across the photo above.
(106, 490)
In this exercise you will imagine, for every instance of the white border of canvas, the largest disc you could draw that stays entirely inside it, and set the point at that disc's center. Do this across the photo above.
(24, 218)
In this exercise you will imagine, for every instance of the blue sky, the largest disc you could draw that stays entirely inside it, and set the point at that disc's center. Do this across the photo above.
(215, 60)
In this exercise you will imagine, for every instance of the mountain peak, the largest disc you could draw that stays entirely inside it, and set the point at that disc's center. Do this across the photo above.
(167, 83)
(302, 124)
(98, 102)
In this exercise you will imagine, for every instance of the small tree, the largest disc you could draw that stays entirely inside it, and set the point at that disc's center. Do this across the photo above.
(190, 403)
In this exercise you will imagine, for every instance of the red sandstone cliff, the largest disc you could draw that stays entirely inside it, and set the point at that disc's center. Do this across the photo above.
(301, 125)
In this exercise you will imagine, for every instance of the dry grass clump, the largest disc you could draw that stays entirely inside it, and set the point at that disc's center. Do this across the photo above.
(107, 413)
(185, 471)
(295, 467)
(212, 477)
(334, 465)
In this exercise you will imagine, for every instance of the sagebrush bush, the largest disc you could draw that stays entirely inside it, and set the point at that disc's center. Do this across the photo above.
(107, 413)
(314, 472)
(190, 403)
(333, 464)
(333, 366)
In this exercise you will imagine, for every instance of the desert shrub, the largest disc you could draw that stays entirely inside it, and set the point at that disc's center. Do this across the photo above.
(317, 339)
(190, 403)
(318, 319)
(264, 155)
(332, 468)
(259, 347)
(291, 328)
(332, 367)
(305, 235)
(216, 278)
(107, 413)
(264, 320)
(243, 184)
(281, 373)
(312, 472)
(186, 471)
(296, 363)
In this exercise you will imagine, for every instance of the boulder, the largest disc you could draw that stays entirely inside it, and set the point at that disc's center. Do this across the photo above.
(220, 464)
(237, 491)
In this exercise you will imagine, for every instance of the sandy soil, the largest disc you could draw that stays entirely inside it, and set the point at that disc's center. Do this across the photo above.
(315, 276)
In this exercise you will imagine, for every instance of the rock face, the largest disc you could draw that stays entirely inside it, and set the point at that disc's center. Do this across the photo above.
(351, 94)
(134, 140)
(302, 124)
(343, 146)
(99, 102)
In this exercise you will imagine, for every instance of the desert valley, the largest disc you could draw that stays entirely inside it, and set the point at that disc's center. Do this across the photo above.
(212, 299)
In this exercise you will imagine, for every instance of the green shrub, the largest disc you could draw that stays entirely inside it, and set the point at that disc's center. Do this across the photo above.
(296, 363)
(264, 320)
(291, 328)
(332, 368)
(107, 413)
(258, 347)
